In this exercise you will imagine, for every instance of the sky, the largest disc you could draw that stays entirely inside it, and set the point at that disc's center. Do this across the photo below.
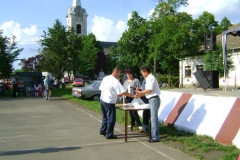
(107, 19)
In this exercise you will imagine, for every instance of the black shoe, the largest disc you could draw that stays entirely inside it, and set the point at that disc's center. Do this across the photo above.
(103, 134)
(152, 140)
(112, 137)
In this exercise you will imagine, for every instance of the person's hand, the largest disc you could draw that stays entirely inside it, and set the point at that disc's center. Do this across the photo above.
(137, 90)
(136, 96)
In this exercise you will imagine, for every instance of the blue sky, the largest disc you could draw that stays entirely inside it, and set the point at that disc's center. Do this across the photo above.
(107, 19)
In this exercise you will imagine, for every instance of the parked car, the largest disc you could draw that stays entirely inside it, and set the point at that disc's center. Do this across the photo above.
(78, 82)
(100, 78)
(90, 91)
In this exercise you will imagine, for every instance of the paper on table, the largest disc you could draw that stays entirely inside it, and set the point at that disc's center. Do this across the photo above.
(138, 103)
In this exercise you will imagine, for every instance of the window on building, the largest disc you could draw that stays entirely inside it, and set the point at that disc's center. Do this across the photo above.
(187, 71)
(200, 67)
(79, 29)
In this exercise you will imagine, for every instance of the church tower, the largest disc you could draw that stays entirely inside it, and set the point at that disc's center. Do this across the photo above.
(77, 18)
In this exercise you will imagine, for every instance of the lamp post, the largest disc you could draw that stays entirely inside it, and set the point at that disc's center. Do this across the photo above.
(181, 75)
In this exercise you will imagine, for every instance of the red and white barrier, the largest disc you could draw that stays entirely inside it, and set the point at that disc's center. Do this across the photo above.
(217, 117)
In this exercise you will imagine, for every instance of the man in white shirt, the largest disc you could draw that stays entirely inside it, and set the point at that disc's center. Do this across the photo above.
(110, 89)
(152, 92)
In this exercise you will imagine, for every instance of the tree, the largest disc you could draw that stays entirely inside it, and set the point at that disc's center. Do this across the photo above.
(213, 60)
(88, 54)
(224, 25)
(101, 63)
(75, 44)
(32, 64)
(133, 45)
(205, 23)
(54, 50)
(173, 36)
(8, 53)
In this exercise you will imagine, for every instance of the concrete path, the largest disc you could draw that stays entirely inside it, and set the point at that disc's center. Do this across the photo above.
(33, 128)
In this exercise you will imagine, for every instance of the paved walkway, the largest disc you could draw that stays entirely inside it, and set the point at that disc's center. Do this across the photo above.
(33, 128)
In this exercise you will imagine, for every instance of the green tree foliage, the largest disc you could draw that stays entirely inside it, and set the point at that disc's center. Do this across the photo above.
(63, 51)
(88, 54)
(8, 54)
(224, 25)
(74, 45)
(213, 60)
(133, 45)
(173, 36)
(54, 49)
(205, 23)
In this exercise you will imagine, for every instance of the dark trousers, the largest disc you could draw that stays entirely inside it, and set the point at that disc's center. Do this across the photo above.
(14, 90)
(146, 117)
(135, 120)
(108, 119)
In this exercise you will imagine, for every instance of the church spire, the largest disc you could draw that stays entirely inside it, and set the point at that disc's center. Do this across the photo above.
(76, 3)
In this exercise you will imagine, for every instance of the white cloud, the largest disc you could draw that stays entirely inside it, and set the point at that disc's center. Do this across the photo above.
(150, 12)
(106, 30)
(219, 8)
(26, 38)
(23, 35)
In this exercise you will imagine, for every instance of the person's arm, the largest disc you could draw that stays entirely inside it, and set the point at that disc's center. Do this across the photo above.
(128, 94)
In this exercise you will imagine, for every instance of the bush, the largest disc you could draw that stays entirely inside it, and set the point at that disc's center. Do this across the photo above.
(164, 79)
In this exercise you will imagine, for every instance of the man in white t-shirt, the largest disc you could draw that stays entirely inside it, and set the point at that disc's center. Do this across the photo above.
(110, 89)
(152, 92)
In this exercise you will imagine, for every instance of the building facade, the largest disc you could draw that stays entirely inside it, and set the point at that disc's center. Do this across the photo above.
(77, 18)
(188, 66)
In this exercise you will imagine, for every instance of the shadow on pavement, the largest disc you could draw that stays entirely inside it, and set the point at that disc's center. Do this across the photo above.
(41, 150)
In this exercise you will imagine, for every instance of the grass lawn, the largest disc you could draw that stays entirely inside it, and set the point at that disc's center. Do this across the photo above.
(199, 147)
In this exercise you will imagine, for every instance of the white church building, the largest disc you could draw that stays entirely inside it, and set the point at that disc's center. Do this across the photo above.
(77, 19)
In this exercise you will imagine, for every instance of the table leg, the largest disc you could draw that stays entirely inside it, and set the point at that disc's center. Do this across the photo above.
(126, 125)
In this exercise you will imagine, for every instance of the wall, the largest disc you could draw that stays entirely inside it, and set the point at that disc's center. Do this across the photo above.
(217, 117)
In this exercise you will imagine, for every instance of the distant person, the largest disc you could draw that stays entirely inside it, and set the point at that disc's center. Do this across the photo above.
(47, 82)
(15, 87)
(14, 84)
(101, 74)
(110, 89)
(129, 86)
(36, 89)
(63, 82)
(152, 92)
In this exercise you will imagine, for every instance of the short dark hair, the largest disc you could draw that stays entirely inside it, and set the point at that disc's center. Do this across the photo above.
(146, 69)
(116, 69)
(128, 71)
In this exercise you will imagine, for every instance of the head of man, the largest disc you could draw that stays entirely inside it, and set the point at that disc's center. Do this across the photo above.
(145, 71)
(116, 72)
(129, 73)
